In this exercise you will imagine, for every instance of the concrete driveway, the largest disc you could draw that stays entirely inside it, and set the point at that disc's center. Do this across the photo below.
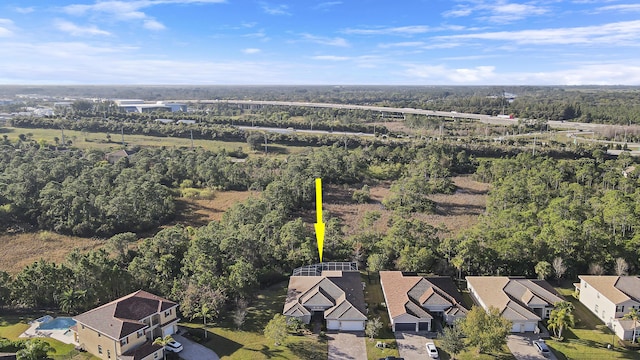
(193, 350)
(412, 346)
(521, 346)
(347, 346)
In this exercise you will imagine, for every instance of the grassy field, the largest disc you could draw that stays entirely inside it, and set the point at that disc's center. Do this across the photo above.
(249, 342)
(98, 140)
(25, 248)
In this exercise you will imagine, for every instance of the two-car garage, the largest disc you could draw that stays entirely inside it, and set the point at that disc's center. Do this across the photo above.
(345, 325)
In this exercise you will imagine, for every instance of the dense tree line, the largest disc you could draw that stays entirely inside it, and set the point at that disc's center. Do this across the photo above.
(540, 209)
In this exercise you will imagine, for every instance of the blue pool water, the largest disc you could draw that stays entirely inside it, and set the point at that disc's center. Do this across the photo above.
(60, 323)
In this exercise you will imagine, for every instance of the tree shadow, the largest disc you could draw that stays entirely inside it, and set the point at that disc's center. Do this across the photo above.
(302, 350)
(268, 352)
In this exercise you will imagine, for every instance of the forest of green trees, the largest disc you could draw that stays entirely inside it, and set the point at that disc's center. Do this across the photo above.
(571, 205)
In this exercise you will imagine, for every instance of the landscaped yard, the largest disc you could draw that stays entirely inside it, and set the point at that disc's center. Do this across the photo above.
(249, 342)
(12, 326)
(589, 338)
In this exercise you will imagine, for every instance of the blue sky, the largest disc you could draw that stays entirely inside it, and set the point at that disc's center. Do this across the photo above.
(370, 42)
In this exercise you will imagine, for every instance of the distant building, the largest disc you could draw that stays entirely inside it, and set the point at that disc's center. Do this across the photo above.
(186, 122)
(114, 156)
(140, 106)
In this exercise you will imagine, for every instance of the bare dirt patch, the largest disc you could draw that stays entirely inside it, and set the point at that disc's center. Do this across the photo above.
(454, 212)
(20, 250)
(199, 212)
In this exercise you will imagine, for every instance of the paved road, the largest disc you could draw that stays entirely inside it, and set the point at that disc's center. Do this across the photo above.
(295, 131)
(347, 346)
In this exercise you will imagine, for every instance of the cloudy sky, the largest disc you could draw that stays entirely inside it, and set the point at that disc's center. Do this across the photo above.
(377, 42)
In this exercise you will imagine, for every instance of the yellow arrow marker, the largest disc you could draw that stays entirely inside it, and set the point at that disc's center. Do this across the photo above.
(319, 225)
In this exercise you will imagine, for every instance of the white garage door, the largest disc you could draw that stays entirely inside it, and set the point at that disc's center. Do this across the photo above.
(333, 325)
(169, 330)
(352, 325)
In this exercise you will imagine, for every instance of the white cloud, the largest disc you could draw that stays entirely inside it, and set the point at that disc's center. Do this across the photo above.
(5, 25)
(280, 9)
(25, 10)
(331, 58)
(478, 74)
(417, 44)
(127, 10)
(619, 33)
(400, 30)
(251, 51)
(624, 8)
(75, 30)
(337, 41)
(501, 11)
(326, 6)
(152, 24)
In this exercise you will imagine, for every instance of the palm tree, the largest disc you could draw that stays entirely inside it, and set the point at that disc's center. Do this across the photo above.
(561, 318)
(634, 315)
(72, 299)
(163, 342)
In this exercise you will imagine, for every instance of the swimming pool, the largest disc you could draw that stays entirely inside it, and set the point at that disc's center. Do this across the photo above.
(60, 323)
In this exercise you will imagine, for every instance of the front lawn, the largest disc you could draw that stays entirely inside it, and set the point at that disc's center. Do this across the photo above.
(249, 342)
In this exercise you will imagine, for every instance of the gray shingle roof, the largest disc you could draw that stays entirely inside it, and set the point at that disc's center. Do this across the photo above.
(124, 316)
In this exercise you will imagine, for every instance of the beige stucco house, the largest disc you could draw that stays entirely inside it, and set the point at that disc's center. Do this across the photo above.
(524, 302)
(124, 329)
(610, 298)
(329, 291)
(413, 300)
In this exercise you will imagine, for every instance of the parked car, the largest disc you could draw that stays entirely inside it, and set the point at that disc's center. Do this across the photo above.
(542, 347)
(391, 358)
(174, 346)
(432, 350)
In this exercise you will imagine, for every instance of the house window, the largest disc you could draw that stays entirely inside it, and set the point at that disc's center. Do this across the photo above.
(585, 285)
(168, 312)
(620, 308)
(596, 309)
(124, 341)
(109, 354)
(155, 356)
(140, 333)
(99, 349)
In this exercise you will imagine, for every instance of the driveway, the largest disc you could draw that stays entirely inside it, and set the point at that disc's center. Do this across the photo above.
(521, 346)
(194, 351)
(347, 346)
(411, 345)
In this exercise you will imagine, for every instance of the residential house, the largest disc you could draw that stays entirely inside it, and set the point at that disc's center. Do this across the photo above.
(524, 302)
(412, 301)
(124, 329)
(114, 156)
(327, 291)
(610, 298)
